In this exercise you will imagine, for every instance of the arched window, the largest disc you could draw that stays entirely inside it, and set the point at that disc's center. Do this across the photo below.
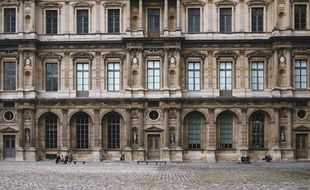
(193, 127)
(113, 123)
(257, 127)
(82, 122)
(50, 131)
(225, 123)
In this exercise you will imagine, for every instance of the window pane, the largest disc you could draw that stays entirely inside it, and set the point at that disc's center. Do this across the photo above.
(194, 127)
(153, 20)
(51, 77)
(193, 20)
(82, 21)
(51, 21)
(257, 19)
(9, 20)
(9, 75)
(225, 19)
(300, 17)
(113, 20)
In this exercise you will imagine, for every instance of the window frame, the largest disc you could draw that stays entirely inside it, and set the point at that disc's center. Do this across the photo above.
(307, 15)
(147, 74)
(187, 18)
(232, 19)
(58, 75)
(87, 136)
(78, 92)
(4, 74)
(16, 19)
(115, 142)
(54, 139)
(307, 72)
(264, 74)
(264, 19)
(160, 19)
(219, 128)
(76, 20)
(261, 133)
(107, 19)
(194, 78)
(195, 114)
(114, 71)
(232, 74)
(45, 21)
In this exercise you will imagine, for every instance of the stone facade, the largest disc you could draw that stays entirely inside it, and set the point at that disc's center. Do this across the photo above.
(155, 124)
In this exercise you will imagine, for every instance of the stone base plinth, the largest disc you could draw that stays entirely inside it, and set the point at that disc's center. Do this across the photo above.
(165, 154)
(128, 153)
(211, 156)
(176, 155)
(20, 156)
(277, 156)
(30, 154)
(96, 154)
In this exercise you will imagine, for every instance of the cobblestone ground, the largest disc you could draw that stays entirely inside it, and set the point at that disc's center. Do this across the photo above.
(116, 175)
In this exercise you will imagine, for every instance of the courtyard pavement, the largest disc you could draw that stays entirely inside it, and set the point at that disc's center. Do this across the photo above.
(124, 175)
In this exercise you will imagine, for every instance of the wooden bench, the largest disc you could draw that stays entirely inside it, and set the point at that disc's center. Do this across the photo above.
(152, 161)
(82, 161)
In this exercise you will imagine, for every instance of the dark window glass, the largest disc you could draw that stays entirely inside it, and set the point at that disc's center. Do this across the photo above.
(9, 76)
(300, 17)
(82, 122)
(9, 20)
(194, 20)
(51, 131)
(258, 131)
(153, 20)
(301, 74)
(82, 21)
(113, 20)
(113, 130)
(225, 20)
(51, 77)
(257, 19)
(113, 76)
(194, 128)
(226, 135)
(51, 21)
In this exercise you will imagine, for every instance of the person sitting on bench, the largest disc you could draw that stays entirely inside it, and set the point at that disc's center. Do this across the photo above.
(122, 157)
(245, 160)
(267, 158)
(57, 159)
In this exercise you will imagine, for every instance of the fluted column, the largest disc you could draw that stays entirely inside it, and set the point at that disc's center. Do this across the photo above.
(96, 132)
(33, 16)
(21, 126)
(166, 72)
(141, 72)
(140, 18)
(178, 15)
(66, 130)
(276, 128)
(128, 127)
(128, 16)
(275, 69)
(21, 17)
(128, 69)
(141, 127)
(98, 16)
(244, 129)
(289, 129)
(67, 17)
(179, 127)
(178, 58)
(166, 127)
(21, 70)
(289, 68)
(166, 15)
(211, 130)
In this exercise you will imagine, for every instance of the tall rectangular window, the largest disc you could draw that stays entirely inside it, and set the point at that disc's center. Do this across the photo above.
(82, 134)
(153, 20)
(300, 17)
(82, 21)
(225, 20)
(9, 20)
(82, 79)
(51, 77)
(257, 19)
(225, 75)
(257, 75)
(113, 20)
(194, 76)
(153, 75)
(194, 20)
(51, 21)
(301, 73)
(9, 75)
(113, 76)
(51, 131)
